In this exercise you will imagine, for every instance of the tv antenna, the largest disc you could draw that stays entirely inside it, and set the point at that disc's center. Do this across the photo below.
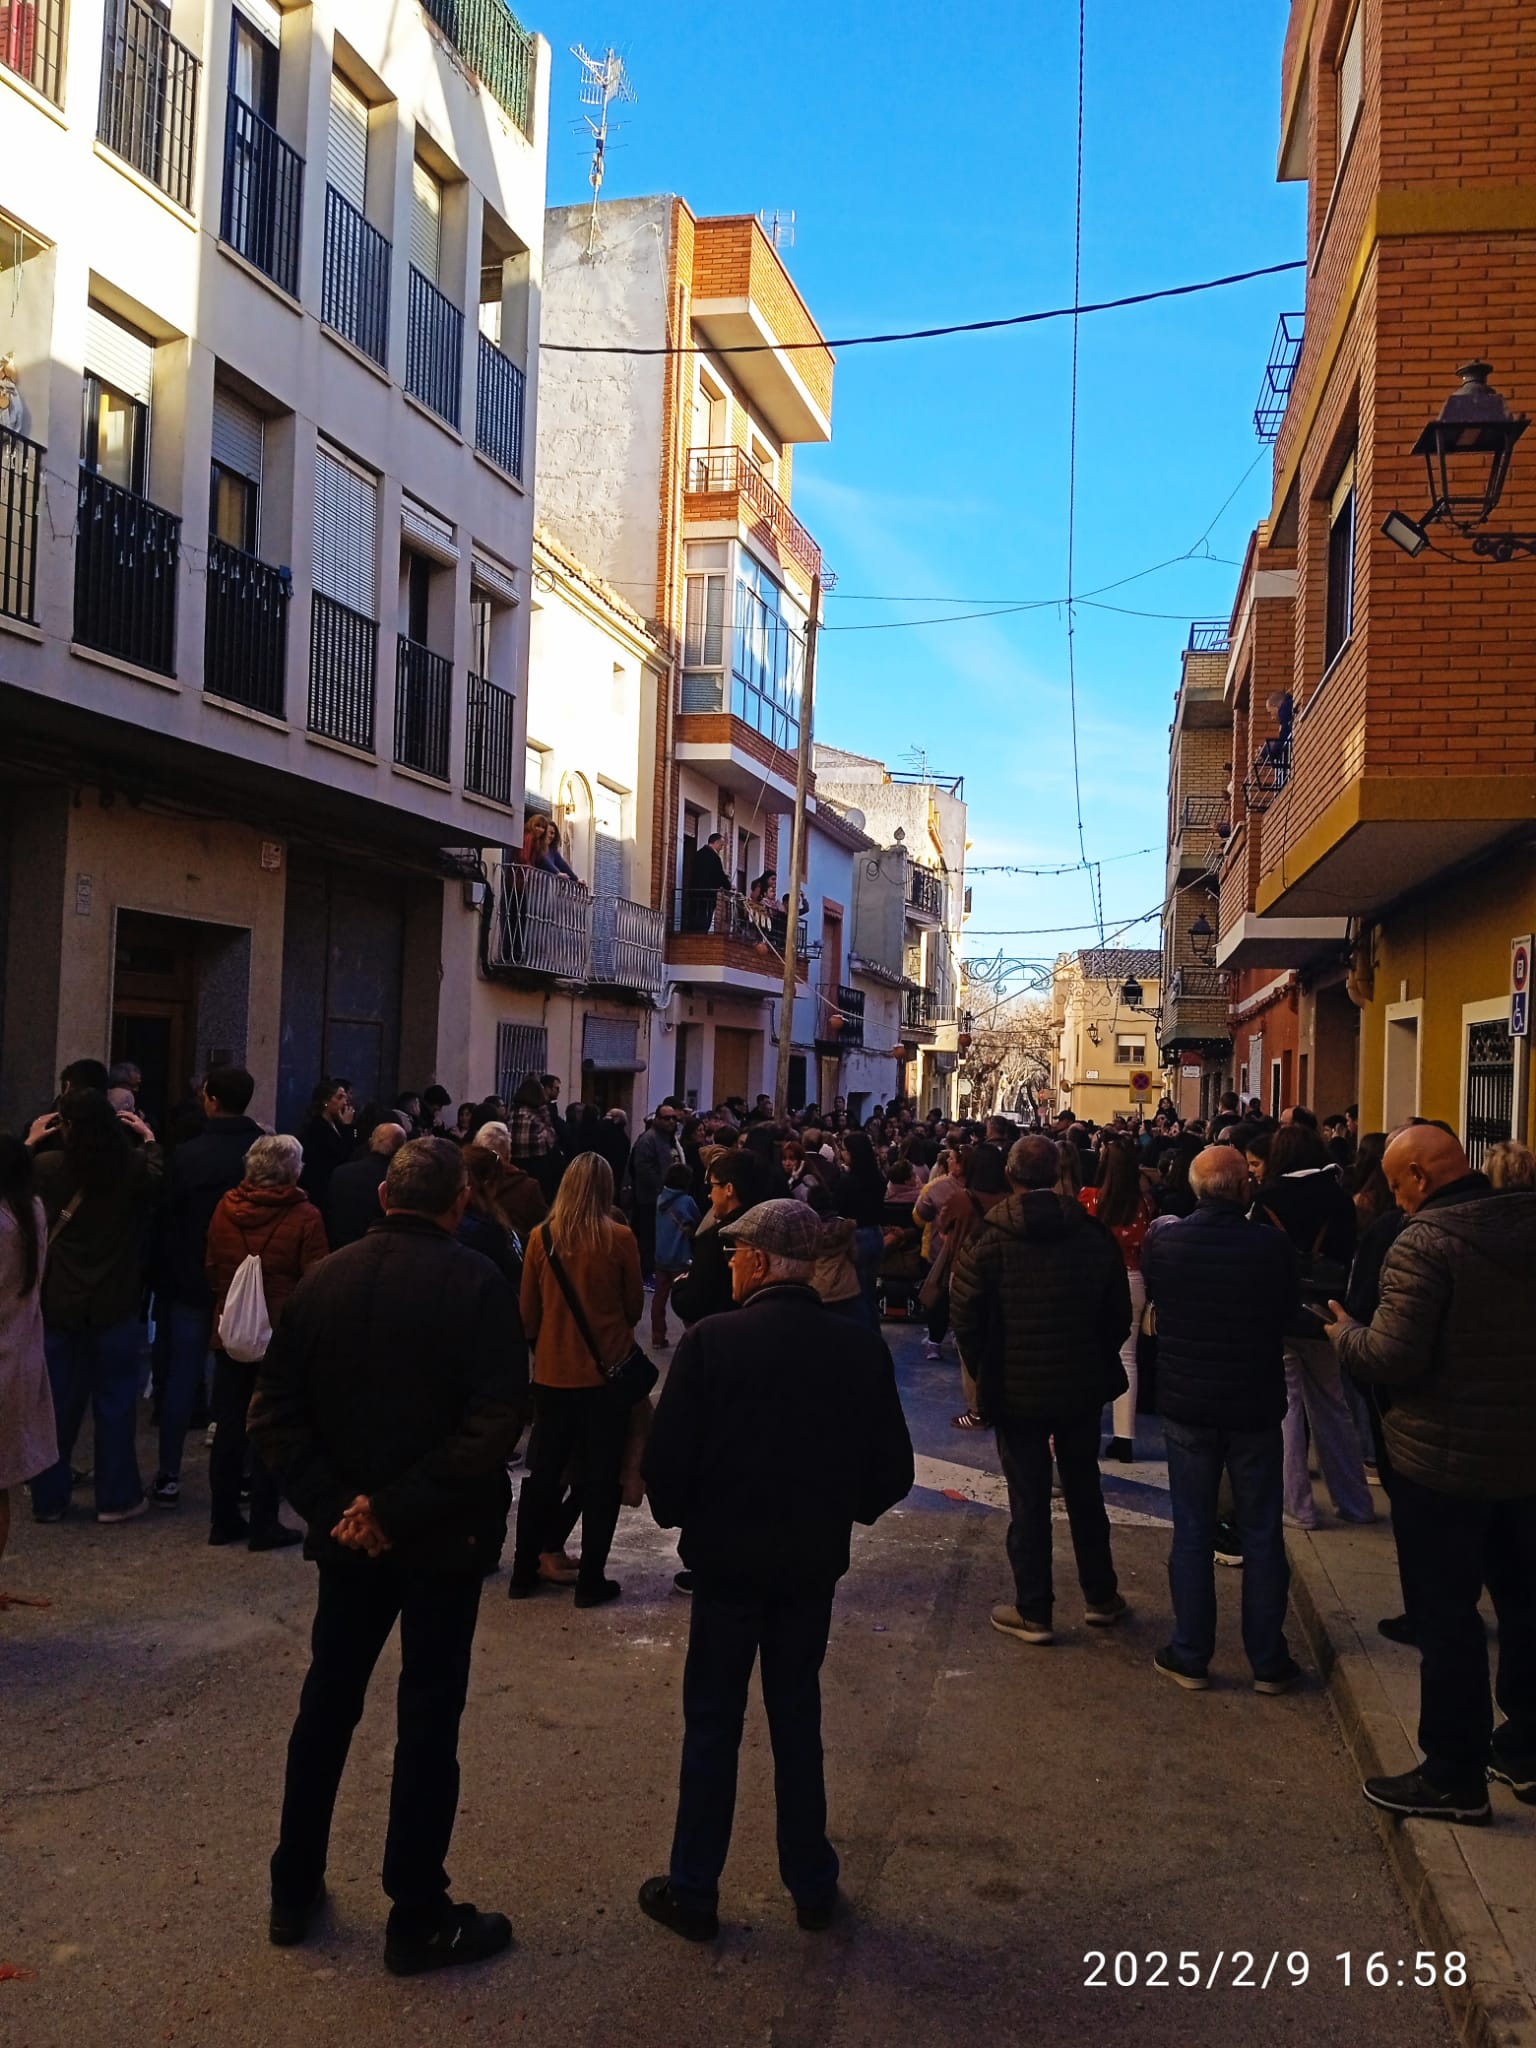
(780, 230)
(605, 84)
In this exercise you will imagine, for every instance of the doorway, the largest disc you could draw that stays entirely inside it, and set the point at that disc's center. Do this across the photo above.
(733, 1063)
(180, 1003)
(343, 950)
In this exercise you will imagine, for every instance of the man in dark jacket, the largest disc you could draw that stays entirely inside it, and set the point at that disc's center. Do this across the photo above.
(202, 1172)
(1452, 1339)
(778, 1429)
(1040, 1306)
(655, 1151)
(1225, 1289)
(391, 1398)
(352, 1198)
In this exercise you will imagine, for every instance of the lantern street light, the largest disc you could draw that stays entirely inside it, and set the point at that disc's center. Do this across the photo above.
(1467, 453)
(1130, 998)
(1202, 937)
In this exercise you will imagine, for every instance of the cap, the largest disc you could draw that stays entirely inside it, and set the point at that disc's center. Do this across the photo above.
(785, 1230)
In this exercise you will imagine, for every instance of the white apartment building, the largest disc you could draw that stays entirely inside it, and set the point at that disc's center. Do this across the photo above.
(269, 278)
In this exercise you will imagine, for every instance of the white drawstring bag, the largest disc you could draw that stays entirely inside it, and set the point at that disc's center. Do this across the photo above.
(245, 1328)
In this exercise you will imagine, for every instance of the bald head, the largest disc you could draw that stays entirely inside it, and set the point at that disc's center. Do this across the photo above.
(1419, 1160)
(1219, 1174)
(386, 1140)
(1034, 1163)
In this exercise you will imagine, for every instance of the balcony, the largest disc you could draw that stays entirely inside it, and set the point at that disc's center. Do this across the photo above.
(245, 644)
(1279, 375)
(926, 894)
(263, 196)
(744, 298)
(32, 44)
(919, 1013)
(723, 939)
(343, 651)
(840, 1020)
(423, 697)
(489, 732)
(1198, 837)
(496, 47)
(21, 478)
(500, 388)
(1209, 636)
(627, 941)
(1269, 774)
(126, 556)
(434, 348)
(541, 924)
(354, 299)
(147, 111)
(1195, 1009)
(730, 474)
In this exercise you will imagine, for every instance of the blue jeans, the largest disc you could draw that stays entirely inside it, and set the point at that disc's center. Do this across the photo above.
(1255, 1461)
(185, 1379)
(96, 1370)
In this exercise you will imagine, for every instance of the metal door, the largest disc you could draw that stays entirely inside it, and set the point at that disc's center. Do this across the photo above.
(1490, 1087)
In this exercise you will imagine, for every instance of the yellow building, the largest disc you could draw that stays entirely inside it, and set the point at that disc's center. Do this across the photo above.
(1106, 1049)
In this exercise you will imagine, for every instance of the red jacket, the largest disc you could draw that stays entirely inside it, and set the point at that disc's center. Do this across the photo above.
(281, 1226)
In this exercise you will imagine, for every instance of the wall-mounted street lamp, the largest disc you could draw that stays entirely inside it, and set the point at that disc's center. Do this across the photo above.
(1130, 999)
(1202, 938)
(1094, 1034)
(1467, 452)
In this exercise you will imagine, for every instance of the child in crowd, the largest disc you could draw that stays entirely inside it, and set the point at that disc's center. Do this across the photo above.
(677, 1216)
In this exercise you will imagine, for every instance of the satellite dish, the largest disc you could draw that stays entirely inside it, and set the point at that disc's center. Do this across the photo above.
(856, 819)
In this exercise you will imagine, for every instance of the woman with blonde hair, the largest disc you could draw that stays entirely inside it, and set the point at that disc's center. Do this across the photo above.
(581, 1298)
(1511, 1166)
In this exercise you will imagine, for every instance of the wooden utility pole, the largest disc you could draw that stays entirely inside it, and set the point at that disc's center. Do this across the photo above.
(797, 851)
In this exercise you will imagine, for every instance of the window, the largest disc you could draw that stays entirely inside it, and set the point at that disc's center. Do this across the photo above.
(707, 565)
(346, 533)
(253, 65)
(536, 757)
(1130, 1052)
(1351, 79)
(608, 864)
(1339, 614)
(709, 415)
(769, 654)
(521, 1050)
(234, 497)
(119, 377)
(426, 221)
(418, 597)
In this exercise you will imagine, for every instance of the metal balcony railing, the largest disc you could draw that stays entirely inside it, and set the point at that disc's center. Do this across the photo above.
(126, 556)
(263, 195)
(926, 891)
(1210, 636)
(496, 47)
(840, 1019)
(245, 642)
(919, 1010)
(21, 482)
(423, 697)
(343, 652)
(732, 469)
(727, 914)
(488, 734)
(147, 111)
(1270, 772)
(1200, 985)
(434, 348)
(627, 940)
(541, 924)
(354, 298)
(500, 389)
(1202, 813)
(1279, 375)
(32, 44)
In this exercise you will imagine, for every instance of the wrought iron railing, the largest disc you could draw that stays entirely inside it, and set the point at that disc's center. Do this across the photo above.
(541, 924)
(245, 640)
(343, 655)
(919, 1010)
(500, 390)
(1210, 636)
(147, 111)
(732, 469)
(1202, 813)
(489, 724)
(423, 697)
(925, 890)
(354, 298)
(1279, 375)
(496, 47)
(32, 44)
(126, 556)
(727, 914)
(840, 1019)
(1270, 772)
(434, 348)
(1200, 985)
(627, 944)
(21, 482)
(263, 195)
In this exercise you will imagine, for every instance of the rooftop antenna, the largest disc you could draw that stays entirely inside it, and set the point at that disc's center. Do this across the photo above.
(605, 83)
(781, 229)
(918, 756)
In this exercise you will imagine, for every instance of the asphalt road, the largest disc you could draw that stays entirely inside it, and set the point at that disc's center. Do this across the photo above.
(1002, 1811)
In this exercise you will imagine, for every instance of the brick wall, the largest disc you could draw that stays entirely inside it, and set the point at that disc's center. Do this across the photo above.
(733, 259)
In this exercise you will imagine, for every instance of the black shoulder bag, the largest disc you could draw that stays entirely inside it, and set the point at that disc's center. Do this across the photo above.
(634, 1375)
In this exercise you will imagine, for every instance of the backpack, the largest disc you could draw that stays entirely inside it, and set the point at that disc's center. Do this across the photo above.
(245, 1327)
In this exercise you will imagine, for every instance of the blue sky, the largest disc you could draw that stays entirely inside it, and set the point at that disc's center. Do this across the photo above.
(929, 155)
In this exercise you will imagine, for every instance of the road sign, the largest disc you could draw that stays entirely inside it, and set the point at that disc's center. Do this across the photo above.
(1520, 987)
(1141, 1084)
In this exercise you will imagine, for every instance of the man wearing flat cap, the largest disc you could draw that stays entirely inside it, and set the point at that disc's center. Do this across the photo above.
(779, 1427)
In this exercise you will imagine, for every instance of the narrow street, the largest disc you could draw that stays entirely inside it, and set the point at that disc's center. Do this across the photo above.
(1001, 1811)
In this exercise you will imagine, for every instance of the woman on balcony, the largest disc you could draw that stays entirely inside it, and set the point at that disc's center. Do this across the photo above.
(555, 861)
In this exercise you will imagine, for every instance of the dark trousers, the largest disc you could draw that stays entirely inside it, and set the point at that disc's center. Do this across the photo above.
(1025, 1450)
(938, 1319)
(1448, 1549)
(1254, 1459)
(584, 1428)
(643, 1218)
(233, 1385)
(359, 1602)
(727, 1633)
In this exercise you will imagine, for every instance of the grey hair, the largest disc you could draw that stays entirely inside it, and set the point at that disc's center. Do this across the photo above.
(780, 1268)
(425, 1177)
(274, 1162)
(1219, 1170)
(496, 1138)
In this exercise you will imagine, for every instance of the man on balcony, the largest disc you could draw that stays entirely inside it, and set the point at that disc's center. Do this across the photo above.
(707, 880)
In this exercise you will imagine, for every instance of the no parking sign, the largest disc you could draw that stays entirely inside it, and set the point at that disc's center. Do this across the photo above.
(1520, 987)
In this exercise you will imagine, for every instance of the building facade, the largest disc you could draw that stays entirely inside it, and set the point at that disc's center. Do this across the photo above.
(1106, 1049)
(271, 296)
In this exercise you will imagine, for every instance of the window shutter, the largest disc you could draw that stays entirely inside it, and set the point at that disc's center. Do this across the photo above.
(347, 168)
(119, 355)
(426, 221)
(608, 877)
(346, 534)
(237, 435)
(264, 17)
(1351, 74)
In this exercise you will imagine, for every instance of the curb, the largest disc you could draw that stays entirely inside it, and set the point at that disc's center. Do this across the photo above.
(1493, 2009)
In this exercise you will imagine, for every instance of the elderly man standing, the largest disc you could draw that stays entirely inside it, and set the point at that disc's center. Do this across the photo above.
(1225, 1289)
(352, 1199)
(1452, 1338)
(1040, 1305)
(779, 1427)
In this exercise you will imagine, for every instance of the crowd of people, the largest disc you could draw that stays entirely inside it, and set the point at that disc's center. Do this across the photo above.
(365, 1316)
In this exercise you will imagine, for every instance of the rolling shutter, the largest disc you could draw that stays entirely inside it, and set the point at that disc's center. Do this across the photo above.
(346, 534)
(119, 355)
(347, 168)
(237, 435)
(608, 843)
(426, 220)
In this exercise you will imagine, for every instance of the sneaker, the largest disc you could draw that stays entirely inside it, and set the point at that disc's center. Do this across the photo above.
(931, 1351)
(466, 1936)
(1300, 1522)
(288, 1925)
(598, 1595)
(1413, 1796)
(278, 1537)
(140, 1507)
(1012, 1623)
(166, 1491)
(682, 1582)
(1506, 1767)
(1107, 1615)
(1228, 1547)
(815, 1916)
(1281, 1679)
(1171, 1666)
(1397, 1628)
(660, 1903)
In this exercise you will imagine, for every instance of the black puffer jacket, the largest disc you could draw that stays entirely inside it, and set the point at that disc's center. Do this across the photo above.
(1224, 1289)
(1040, 1305)
(1452, 1339)
(203, 1170)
